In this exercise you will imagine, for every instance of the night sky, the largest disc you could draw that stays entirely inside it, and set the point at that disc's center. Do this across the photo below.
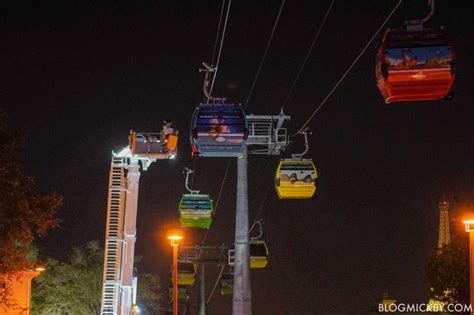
(79, 75)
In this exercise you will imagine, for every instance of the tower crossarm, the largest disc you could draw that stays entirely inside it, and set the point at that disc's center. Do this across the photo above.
(266, 134)
(217, 254)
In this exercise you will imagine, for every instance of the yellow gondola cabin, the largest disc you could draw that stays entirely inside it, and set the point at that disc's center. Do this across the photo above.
(296, 179)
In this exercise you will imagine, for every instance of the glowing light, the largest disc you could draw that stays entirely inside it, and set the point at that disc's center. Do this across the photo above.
(136, 309)
(40, 268)
(175, 237)
(419, 76)
(469, 225)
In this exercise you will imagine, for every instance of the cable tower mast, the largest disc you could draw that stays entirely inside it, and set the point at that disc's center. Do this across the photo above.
(444, 235)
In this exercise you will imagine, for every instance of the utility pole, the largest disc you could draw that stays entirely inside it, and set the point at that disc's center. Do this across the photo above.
(175, 280)
(469, 222)
(202, 288)
(266, 132)
(266, 137)
(242, 297)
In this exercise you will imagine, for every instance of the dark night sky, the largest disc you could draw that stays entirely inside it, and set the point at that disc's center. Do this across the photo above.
(80, 75)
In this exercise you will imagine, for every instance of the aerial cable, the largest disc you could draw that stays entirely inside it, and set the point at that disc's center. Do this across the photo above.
(261, 207)
(210, 91)
(213, 59)
(250, 93)
(207, 232)
(216, 41)
(347, 71)
(220, 48)
(308, 54)
(218, 33)
(264, 54)
(218, 197)
(215, 285)
(214, 55)
(194, 176)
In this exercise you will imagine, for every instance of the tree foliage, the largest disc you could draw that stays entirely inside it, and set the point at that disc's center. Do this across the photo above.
(149, 295)
(74, 287)
(448, 272)
(24, 214)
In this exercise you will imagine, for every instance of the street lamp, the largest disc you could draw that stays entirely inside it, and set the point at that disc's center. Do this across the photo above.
(175, 236)
(470, 229)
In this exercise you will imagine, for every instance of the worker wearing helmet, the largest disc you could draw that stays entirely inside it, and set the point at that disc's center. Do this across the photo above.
(166, 130)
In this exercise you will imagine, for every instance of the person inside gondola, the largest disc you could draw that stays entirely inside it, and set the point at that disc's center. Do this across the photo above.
(217, 127)
(407, 59)
(293, 178)
(308, 179)
(408, 62)
(219, 131)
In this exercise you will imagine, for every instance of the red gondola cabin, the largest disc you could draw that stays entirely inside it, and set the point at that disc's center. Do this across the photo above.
(415, 66)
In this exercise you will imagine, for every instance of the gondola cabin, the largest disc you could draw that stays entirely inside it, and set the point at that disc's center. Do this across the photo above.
(227, 284)
(153, 144)
(195, 211)
(182, 292)
(186, 272)
(415, 66)
(258, 254)
(296, 179)
(181, 308)
(218, 130)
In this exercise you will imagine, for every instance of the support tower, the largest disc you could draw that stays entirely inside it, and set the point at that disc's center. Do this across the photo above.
(444, 235)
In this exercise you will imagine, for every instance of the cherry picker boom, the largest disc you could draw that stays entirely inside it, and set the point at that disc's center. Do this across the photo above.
(119, 287)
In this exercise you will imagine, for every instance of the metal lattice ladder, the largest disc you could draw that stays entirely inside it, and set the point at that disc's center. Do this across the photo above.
(113, 240)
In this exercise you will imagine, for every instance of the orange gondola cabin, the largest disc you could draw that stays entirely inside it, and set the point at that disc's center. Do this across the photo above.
(415, 65)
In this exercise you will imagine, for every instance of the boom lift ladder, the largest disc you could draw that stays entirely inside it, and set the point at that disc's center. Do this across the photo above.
(119, 288)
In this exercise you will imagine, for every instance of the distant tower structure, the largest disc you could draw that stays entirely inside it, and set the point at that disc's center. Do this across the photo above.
(443, 236)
